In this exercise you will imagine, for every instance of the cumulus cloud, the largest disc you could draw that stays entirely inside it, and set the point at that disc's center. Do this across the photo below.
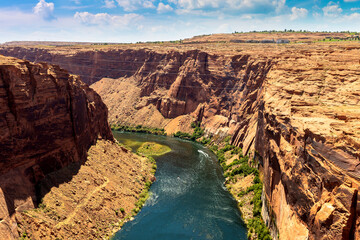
(297, 13)
(187, 6)
(132, 5)
(44, 10)
(279, 5)
(162, 8)
(332, 10)
(353, 16)
(109, 4)
(198, 4)
(107, 19)
(148, 4)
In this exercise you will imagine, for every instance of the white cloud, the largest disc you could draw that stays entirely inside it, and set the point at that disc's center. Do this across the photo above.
(353, 16)
(198, 4)
(132, 5)
(162, 8)
(13, 18)
(316, 14)
(148, 4)
(109, 4)
(332, 10)
(44, 10)
(107, 19)
(355, 9)
(279, 5)
(261, 6)
(297, 13)
(351, 0)
(247, 17)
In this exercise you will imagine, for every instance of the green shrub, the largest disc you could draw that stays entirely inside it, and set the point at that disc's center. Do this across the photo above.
(227, 139)
(256, 179)
(258, 226)
(139, 129)
(205, 141)
(24, 236)
(198, 133)
(236, 150)
(244, 170)
(214, 148)
(182, 135)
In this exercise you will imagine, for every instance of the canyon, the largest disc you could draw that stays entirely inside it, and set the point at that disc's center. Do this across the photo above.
(295, 108)
(54, 135)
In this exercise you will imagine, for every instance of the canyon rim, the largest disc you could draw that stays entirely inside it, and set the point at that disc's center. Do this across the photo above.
(293, 107)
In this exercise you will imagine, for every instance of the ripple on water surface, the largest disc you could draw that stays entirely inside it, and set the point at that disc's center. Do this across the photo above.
(188, 199)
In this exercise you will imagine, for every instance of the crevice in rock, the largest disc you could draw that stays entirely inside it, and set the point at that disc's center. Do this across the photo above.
(33, 83)
(10, 96)
(352, 218)
(72, 117)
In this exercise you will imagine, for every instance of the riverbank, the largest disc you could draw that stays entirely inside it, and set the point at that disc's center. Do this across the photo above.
(244, 182)
(188, 200)
(242, 177)
(93, 200)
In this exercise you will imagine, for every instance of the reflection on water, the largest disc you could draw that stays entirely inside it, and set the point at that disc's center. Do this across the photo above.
(188, 199)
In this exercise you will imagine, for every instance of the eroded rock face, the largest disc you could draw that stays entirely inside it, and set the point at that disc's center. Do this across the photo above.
(296, 105)
(215, 90)
(308, 138)
(48, 119)
(168, 89)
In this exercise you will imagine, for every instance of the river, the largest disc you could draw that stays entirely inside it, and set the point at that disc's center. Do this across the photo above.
(188, 200)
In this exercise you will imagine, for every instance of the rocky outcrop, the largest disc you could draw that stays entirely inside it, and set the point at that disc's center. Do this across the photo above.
(95, 199)
(308, 138)
(216, 90)
(48, 119)
(92, 65)
(297, 106)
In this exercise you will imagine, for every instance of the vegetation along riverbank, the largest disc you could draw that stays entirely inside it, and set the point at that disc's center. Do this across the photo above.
(242, 178)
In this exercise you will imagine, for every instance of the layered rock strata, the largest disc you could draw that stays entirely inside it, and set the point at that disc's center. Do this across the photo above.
(308, 138)
(297, 106)
(48, 119)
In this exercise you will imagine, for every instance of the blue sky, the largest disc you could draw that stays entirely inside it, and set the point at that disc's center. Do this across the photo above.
(153, 20)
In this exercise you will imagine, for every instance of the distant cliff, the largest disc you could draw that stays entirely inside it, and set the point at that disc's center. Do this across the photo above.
(48, 119)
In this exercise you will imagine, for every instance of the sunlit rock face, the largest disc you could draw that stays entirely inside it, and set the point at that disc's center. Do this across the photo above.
(296, 105)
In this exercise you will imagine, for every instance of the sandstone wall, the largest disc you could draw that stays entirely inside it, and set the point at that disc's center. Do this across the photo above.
(169, 89)
(296, 105)
(308, 140)
(48, 118)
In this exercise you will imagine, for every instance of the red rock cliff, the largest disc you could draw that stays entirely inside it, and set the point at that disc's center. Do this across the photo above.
(169, 88)
(48, 118)
(296, 105)
(90, 65)
(308, 137)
